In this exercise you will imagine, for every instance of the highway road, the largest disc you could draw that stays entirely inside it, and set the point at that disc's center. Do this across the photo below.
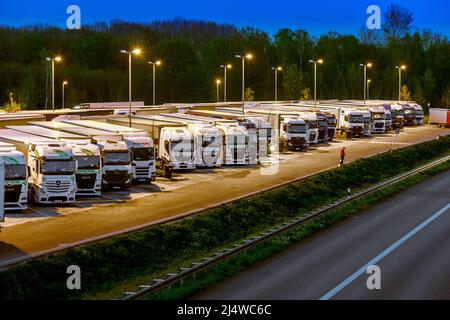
(407, 237)
(47, 228)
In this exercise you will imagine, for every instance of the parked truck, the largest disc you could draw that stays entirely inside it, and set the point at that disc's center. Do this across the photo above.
(115, 155)
(175, 143)
(262, 127)
(141, 146)
(51, 165)
(207, 140)
(440, 117)
(15, 178)
(291, 130)
(350, 121)
(378, 119)
(2, 191)
(87, 156)
(240, 145)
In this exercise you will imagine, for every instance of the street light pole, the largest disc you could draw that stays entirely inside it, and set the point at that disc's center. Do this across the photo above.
(365, 66)
(154, 64)
(218, 82)
(320, 61)
(130, 53)
(243, 57)
(276, 81)
(64, 84)
(225, 68)
(52, 61)
(400, 68)
(368, 89)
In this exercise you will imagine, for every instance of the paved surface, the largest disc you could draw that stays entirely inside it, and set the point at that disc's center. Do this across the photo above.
(408, 237)
(48, 228)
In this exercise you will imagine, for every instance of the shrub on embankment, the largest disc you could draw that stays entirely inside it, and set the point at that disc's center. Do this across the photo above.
(107, 263)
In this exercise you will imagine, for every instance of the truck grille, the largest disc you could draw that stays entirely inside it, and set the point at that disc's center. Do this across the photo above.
(312, 137)
(142, 172)
(58, 186)
(86, 181)
(12, 193)
(117, 177)
(298, 142)
(379, 125)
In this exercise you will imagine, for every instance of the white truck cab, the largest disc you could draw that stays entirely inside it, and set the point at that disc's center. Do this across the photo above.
(51, 166)
(378, 119)
(236, 145)
(208, 145)
(420, 116)
(15, 178)
(176, 146)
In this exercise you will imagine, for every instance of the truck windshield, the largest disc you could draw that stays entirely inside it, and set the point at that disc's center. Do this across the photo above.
(388, 117)
(117, 158)
(313, 124)
(15, 172)
(143, 154)
(210, 142)
(297, 128)
(183, 145)
(323, 124)
(356, 119)
(366, 120)
(58, 167)
(379, 116)
(88, 163)
(332, 121)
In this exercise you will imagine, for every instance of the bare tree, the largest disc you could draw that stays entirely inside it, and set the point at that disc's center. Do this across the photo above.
(397, 22)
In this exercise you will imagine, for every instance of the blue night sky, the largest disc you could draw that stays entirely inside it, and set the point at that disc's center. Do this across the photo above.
(317, 17)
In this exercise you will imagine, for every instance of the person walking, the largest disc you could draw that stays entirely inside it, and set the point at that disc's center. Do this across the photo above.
(342, 157)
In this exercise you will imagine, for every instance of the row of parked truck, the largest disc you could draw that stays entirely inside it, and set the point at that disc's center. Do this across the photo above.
(55, 162)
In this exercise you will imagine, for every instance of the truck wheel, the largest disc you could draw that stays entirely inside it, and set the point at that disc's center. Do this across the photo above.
(168, 172)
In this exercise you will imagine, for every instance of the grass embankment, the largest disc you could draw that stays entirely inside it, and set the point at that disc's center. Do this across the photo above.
(122, 263)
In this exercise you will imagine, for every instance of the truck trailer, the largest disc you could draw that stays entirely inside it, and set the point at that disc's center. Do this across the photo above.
(15, 178)
(440, 117)
(51, 165)
(87, 156)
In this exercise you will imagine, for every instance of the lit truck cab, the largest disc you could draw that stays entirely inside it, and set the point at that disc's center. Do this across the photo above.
(207, 145)
(176, 146)
(312, 123)
(16, 180)
(351, 123)
(410, 115)
(89, 168)
(323, 127)
(116, 164)
(367, 118)
(332, 126)
(235, 144)
(51, 166)
(420, 116)
(143, 163)
(389, 119)
(398, 116)
(378, 119)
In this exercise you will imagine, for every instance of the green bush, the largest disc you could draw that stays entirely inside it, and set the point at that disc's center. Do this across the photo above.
(107, 263)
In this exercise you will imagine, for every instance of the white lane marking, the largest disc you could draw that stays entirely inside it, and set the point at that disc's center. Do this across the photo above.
(383, 254)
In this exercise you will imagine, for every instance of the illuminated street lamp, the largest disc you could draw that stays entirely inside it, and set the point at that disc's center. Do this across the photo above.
(52, 61)
(276, 69)
(225, 68)
(320, 61)
(154, 64)
(400, 68)
(365, 66)
(64, 84)
(130, 54)
(243, 57)
(218, 82)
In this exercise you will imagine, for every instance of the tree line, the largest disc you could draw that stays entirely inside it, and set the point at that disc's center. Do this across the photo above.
(192, 52)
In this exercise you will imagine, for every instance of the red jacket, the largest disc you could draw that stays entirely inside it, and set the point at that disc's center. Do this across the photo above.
(342, 153)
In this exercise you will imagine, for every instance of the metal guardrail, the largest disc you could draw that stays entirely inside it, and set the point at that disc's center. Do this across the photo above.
(196, 267)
